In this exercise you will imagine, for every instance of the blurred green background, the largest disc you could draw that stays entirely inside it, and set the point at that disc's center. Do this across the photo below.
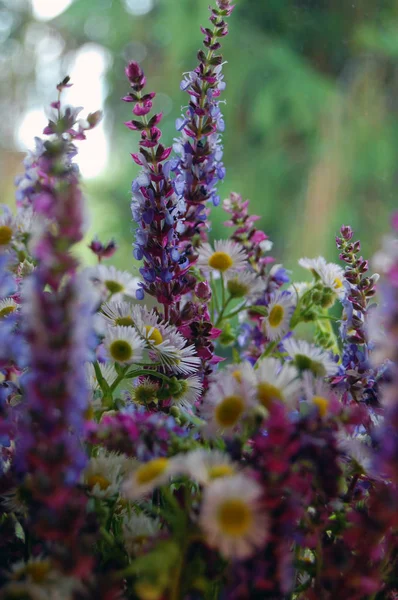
(311, 106)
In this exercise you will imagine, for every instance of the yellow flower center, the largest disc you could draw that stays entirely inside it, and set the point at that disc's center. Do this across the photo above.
(102, 482)
(5, 235)
(39, 570)
(121, 351)
(267, 393)
(217, 471)
(237, 375)
(114, 287)
(145, 393)
(124, 321)
(151, 470)
(153, 334)
(236, 288)
(229, 410)
(322, 403)
(221, 261)
(276, 315)
(234, 517)
(7, 310)
(338, 283)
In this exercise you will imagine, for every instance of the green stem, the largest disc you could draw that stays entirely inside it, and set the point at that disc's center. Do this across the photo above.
(147, 372)
(326, 326)
(269, 349)
(221, 315)
(236, 311)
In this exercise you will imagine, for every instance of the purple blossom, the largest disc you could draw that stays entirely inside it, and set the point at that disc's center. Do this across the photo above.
(200, 151)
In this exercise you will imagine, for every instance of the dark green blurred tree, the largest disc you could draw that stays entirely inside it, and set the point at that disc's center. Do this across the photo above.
(311, 112)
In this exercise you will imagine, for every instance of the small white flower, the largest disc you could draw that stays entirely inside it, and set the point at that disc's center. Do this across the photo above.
(115, 283)
(231, 517)
(359, 450)
(117, 313)
(298, 289)
(25, 221)
(148, 476)
(276, 381)
(105, 472)
(123, 345)
(280, 310)
(308, 357)
(107, 371)
(332, 276)
(39, 579)
(313, 264)
(7, 307)
(137, 529)
(244, 284)
(205, 466)
(164, 342)
(226, 256)
(227, 402)
(190, 390)
(317, 393)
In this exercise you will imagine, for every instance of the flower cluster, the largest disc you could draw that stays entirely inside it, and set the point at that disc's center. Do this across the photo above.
(238, 438)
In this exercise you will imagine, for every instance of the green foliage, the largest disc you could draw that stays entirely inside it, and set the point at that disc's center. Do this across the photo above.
(311, 133)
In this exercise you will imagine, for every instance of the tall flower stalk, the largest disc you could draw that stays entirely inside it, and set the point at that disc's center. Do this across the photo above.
(155, 206)
(199, 167)
(57, 322)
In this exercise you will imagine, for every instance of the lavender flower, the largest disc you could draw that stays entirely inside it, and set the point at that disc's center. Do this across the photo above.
(57, 324)
(155, 206)
(199, 148)
(360, 289)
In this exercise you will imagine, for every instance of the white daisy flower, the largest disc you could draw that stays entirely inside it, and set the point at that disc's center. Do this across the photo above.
(115, 283)
(190, 390)
(206, 465)
(317, 393)
(226, 256)
(226, 403)
(38, 579)
(276, 381)
(308, 357)
(105, 472)
(332, 276)
(231, 516)
(298, 289)
(280, 309)
(7, 226)
(7, 307)
(137, 529)
(244, 284)
(25, 221)
(241, 372)
(313, 264)
(107, 371)
(149, 476)
(123, 345)
(359, 450)
(164, 343)
(117, 313)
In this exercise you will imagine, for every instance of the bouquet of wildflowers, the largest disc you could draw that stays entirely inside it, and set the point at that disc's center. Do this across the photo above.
(208, 430)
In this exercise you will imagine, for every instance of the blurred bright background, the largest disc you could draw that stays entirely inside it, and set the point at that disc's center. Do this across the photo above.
(311, 112)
